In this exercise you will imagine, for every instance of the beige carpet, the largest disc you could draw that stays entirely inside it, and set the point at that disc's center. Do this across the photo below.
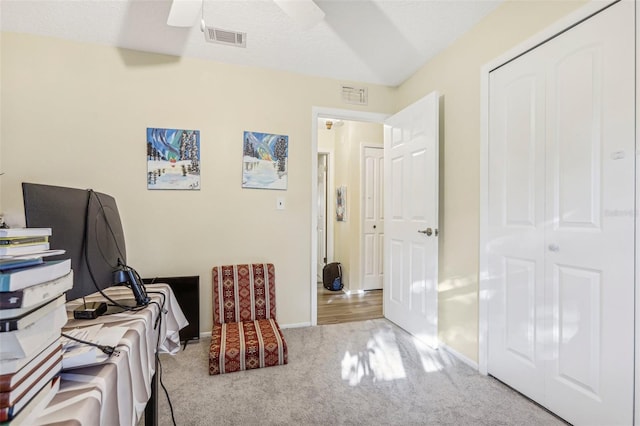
(359, 373)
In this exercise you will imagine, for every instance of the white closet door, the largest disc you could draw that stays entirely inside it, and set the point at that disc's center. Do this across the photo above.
(516, 226)
(589, 262)
(561, 226)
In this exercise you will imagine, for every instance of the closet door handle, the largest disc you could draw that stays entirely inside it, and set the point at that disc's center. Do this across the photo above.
(554, 247)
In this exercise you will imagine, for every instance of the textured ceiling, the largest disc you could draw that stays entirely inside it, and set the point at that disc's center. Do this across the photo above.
(371, 41)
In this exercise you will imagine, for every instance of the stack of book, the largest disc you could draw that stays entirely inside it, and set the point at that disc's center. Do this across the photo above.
(32, 314)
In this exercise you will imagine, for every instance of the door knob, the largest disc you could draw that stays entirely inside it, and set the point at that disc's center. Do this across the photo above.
(554, 247)
(429, 231)
(374, 227)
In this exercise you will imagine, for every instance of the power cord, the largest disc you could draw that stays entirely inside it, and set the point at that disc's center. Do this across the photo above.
(166, 392)
(161, 311)
(161, 308)
(109, 350)
(113, 302)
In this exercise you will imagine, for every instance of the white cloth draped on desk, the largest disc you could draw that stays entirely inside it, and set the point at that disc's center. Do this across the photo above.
(122, 384)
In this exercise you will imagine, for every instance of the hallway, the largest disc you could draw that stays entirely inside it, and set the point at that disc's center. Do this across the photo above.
(336, 307)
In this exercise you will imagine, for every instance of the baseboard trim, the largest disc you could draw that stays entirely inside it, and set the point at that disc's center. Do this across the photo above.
(471, 363)
(295, 325)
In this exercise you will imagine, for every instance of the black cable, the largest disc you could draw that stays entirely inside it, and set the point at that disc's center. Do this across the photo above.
(109, 350)
(159, 372)
(166, 392)
(86, 253)
(155, 325)
(113, 234)
(164, 299)
(162, 308)
(115, 240)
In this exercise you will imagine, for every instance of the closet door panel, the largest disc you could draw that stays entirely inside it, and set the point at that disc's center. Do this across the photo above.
(589, 260)
(519, 156)
(577, 92)
(520, 315)
(576, 293)
(516, 223)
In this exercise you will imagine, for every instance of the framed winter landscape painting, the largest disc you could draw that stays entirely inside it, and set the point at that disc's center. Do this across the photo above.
(265, 160)
(173, 159)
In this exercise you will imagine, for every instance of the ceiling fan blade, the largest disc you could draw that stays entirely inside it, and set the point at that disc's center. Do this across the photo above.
(184, 13)
(305, 12)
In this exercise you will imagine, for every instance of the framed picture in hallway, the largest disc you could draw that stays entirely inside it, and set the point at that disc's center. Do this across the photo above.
(341, 203)
(265, 160)
(173, 159)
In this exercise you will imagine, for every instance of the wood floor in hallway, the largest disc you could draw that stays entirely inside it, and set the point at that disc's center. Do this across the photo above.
(337, 307)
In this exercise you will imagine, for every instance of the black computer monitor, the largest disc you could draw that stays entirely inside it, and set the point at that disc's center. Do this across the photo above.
(87, 225)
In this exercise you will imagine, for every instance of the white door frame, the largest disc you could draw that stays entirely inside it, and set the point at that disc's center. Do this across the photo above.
(361, 230)
(636, 417)
(341, 114)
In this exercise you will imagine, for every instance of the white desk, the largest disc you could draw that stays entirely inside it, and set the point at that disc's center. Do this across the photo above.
(116, 392)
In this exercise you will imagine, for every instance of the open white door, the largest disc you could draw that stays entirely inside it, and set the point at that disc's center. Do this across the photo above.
(411, 219)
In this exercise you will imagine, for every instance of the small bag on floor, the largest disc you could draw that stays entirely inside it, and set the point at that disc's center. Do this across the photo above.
(332, 276)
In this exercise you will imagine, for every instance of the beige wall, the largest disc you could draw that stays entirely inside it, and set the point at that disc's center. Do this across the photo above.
(326, 138)
(76, 115)
(455, 73)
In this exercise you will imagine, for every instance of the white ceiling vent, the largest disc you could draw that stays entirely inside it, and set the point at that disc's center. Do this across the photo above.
(230, 38)
(355, 95)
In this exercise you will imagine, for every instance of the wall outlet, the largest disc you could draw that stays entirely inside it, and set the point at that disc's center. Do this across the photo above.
(280, 203)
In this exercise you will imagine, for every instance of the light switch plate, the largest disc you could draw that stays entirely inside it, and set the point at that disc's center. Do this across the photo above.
(280, 203)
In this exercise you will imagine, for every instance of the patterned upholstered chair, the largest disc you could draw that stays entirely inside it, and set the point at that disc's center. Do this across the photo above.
(245, 333)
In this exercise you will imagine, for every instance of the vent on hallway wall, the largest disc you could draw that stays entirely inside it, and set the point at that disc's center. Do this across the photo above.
(355, 95)
(229, 38)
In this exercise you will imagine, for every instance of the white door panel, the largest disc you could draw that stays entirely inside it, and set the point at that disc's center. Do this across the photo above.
(561, 230)
(395, 290)
(373, 218)
(590, 243)
(411, 207)
(516, 225)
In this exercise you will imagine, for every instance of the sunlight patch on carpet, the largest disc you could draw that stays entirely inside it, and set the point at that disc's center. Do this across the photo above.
(379, 361)
(431, 359)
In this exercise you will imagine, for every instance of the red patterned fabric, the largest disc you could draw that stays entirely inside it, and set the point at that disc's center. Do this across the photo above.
(244, 292)
(246, 345)
(245, 334)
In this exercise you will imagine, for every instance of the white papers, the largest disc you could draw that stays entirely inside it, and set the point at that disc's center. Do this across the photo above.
(34, 255)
